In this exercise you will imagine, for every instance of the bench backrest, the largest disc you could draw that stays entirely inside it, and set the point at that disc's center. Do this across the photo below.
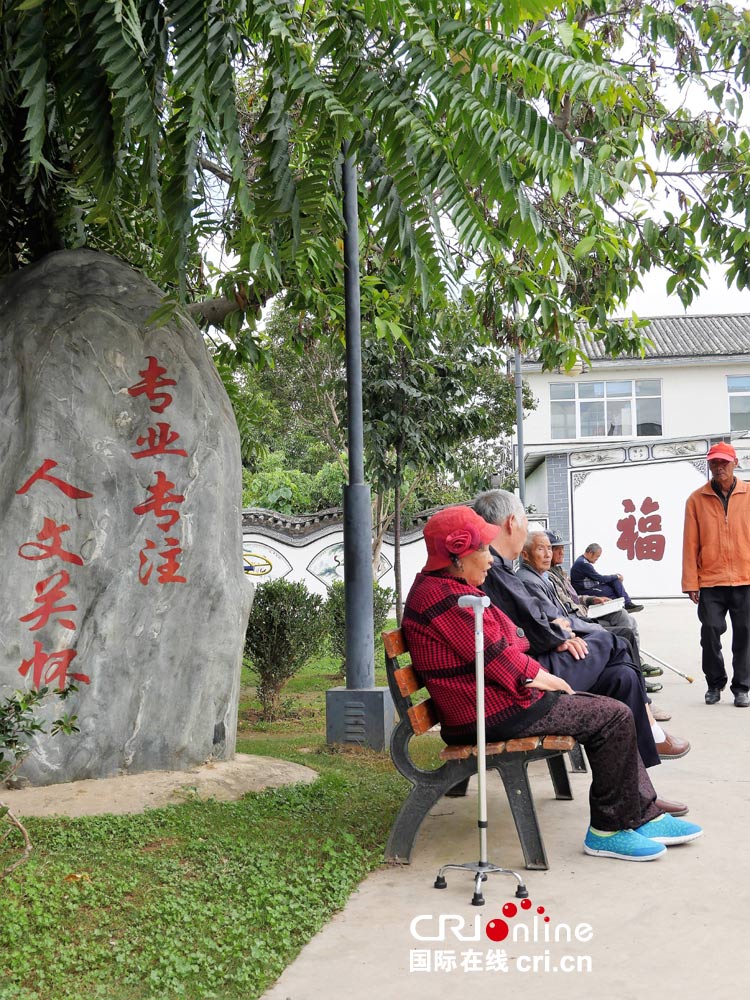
(404, 683)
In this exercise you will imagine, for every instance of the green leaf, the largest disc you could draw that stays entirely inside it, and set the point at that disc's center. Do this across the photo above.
(565, 30)
(585, 246)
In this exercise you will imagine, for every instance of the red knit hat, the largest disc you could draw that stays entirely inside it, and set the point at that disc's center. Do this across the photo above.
(723, 451)
(455, 531)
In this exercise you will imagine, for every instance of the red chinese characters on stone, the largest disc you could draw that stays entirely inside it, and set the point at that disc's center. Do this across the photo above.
(151, 383)
(42, 474)
(641, 538)
(48, 592)
(48, 667)
(159, 561)
(160, 499)
(167, 571)
(51, 532)
(157, 440)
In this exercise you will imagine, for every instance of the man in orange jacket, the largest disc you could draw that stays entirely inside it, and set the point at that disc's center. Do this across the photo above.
(716, 571)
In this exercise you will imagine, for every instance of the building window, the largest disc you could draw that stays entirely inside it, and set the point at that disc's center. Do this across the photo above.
(739, 402)
(622, 408)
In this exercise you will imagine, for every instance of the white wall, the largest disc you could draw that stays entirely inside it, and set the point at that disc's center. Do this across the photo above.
(536, 489)
(597, 507)
(319, 562)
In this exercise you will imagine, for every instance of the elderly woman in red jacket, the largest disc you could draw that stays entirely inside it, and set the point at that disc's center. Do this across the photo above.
(521, 697)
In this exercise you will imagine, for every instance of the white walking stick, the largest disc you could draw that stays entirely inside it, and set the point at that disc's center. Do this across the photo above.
(669, 666)
(483, 867)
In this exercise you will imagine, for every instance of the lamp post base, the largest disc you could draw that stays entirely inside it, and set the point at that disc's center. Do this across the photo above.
(360, 717)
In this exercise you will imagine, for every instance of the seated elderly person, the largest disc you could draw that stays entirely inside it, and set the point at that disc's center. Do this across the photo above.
(588, 581)
(619, 622)
(521, 698)
(583, 653)
(534, 571)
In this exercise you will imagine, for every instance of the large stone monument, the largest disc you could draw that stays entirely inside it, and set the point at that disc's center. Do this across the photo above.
(121, 546)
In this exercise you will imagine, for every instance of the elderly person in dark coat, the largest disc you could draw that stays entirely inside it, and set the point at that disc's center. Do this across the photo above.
(587, 580)
(586, 655)
(521, 697)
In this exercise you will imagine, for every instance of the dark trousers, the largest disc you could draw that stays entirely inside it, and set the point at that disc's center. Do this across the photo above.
(626, 633)
(626, 684)
(621, 795)
(617, 678)
(713, 605)
(613, 589)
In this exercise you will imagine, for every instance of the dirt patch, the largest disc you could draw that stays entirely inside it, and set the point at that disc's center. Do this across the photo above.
(134, 793)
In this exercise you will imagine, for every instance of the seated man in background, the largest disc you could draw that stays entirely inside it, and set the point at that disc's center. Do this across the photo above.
(586, 655)
(521, 698)
(618, 622)
(588, 581)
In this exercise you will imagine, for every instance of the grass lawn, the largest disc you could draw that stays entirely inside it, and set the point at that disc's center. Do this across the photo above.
(201, 900)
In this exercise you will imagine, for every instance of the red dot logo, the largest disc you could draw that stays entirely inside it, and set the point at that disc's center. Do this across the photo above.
(525, 904)
(510, 910)
(497, 930)
(540, 909)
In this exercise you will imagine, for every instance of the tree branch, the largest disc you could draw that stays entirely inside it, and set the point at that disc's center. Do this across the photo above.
(18, 825)
(214, 311)
(215, 169)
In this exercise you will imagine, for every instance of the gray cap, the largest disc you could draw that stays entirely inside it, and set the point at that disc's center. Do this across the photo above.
(555, 538)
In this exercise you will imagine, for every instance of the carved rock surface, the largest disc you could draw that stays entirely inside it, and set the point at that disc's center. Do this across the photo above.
(121, 546)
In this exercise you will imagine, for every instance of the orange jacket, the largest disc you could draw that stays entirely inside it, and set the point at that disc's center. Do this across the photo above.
(716, 546)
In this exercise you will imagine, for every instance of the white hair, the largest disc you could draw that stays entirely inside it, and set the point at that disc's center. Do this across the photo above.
(496, 506)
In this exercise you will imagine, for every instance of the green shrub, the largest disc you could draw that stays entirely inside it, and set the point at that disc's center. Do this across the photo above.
(382, 601)
(283, 633)
(19, 723)
(328, 486)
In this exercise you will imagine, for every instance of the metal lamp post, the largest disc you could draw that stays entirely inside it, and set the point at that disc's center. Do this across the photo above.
(360, 713)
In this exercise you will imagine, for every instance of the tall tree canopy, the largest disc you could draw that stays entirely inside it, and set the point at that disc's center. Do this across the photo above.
(509, 145)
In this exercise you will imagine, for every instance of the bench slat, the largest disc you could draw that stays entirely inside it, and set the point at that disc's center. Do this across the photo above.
(558, 742)
(423, 716)
(394, 642)
(523, 743)
(456, 752)
(462, 752)
(407, 681)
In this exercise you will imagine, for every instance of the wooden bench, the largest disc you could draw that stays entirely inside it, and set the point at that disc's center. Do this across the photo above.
(510, 759)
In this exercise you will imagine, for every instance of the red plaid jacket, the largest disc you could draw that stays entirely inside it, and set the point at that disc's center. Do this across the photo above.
(440, 637)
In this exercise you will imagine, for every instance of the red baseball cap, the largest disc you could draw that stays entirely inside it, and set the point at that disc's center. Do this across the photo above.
(723, 450)
(455, 531)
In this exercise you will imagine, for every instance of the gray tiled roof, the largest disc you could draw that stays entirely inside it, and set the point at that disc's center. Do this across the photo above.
(692, 336)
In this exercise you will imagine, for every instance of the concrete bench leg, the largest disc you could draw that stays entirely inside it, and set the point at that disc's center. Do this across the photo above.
(418, 803)
(513, 772)
(559, 774)
(577, 762)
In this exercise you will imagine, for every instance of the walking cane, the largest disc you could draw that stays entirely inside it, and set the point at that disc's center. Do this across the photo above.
(483, 867)
(674, 670)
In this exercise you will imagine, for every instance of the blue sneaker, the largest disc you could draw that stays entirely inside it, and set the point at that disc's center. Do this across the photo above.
(667, 829)
(628, 845)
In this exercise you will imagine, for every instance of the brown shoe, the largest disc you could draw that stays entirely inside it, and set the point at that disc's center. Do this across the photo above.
(673, 808)
(672, 747)
(660, 714)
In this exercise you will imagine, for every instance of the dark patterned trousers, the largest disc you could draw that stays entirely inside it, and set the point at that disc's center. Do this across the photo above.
(621, 796)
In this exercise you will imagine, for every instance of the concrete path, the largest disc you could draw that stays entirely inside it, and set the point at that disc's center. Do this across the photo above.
(673, 928)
